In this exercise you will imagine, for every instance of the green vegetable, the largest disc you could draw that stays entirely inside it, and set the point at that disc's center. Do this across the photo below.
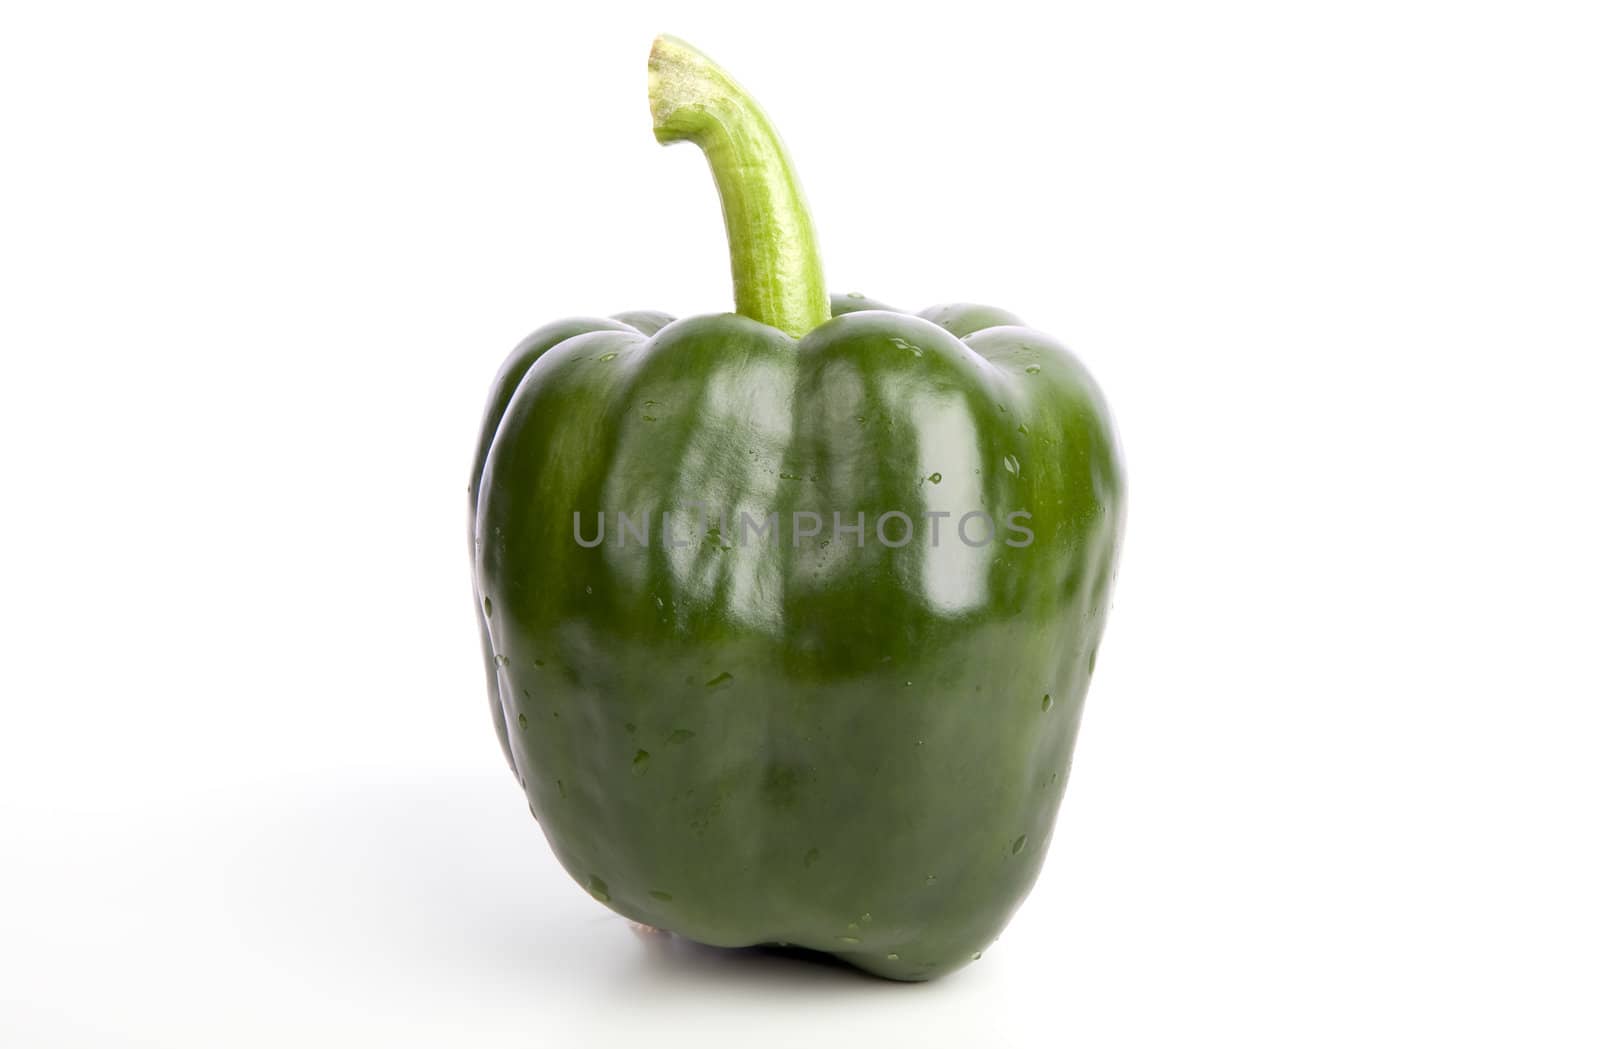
(847, 726)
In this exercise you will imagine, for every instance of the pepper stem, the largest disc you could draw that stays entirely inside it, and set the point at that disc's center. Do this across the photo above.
(777, 271)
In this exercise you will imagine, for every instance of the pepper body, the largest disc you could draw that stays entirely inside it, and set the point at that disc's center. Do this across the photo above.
(839, 741)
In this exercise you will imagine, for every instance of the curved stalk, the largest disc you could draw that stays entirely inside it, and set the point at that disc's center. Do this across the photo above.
(777, 271)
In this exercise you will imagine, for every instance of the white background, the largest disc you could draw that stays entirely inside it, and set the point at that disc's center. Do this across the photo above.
(1336, 266)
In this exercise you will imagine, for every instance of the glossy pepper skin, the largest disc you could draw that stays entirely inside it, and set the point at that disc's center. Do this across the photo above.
(834, 741)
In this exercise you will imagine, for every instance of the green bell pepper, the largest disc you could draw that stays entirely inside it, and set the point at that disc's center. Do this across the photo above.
(788, 614)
